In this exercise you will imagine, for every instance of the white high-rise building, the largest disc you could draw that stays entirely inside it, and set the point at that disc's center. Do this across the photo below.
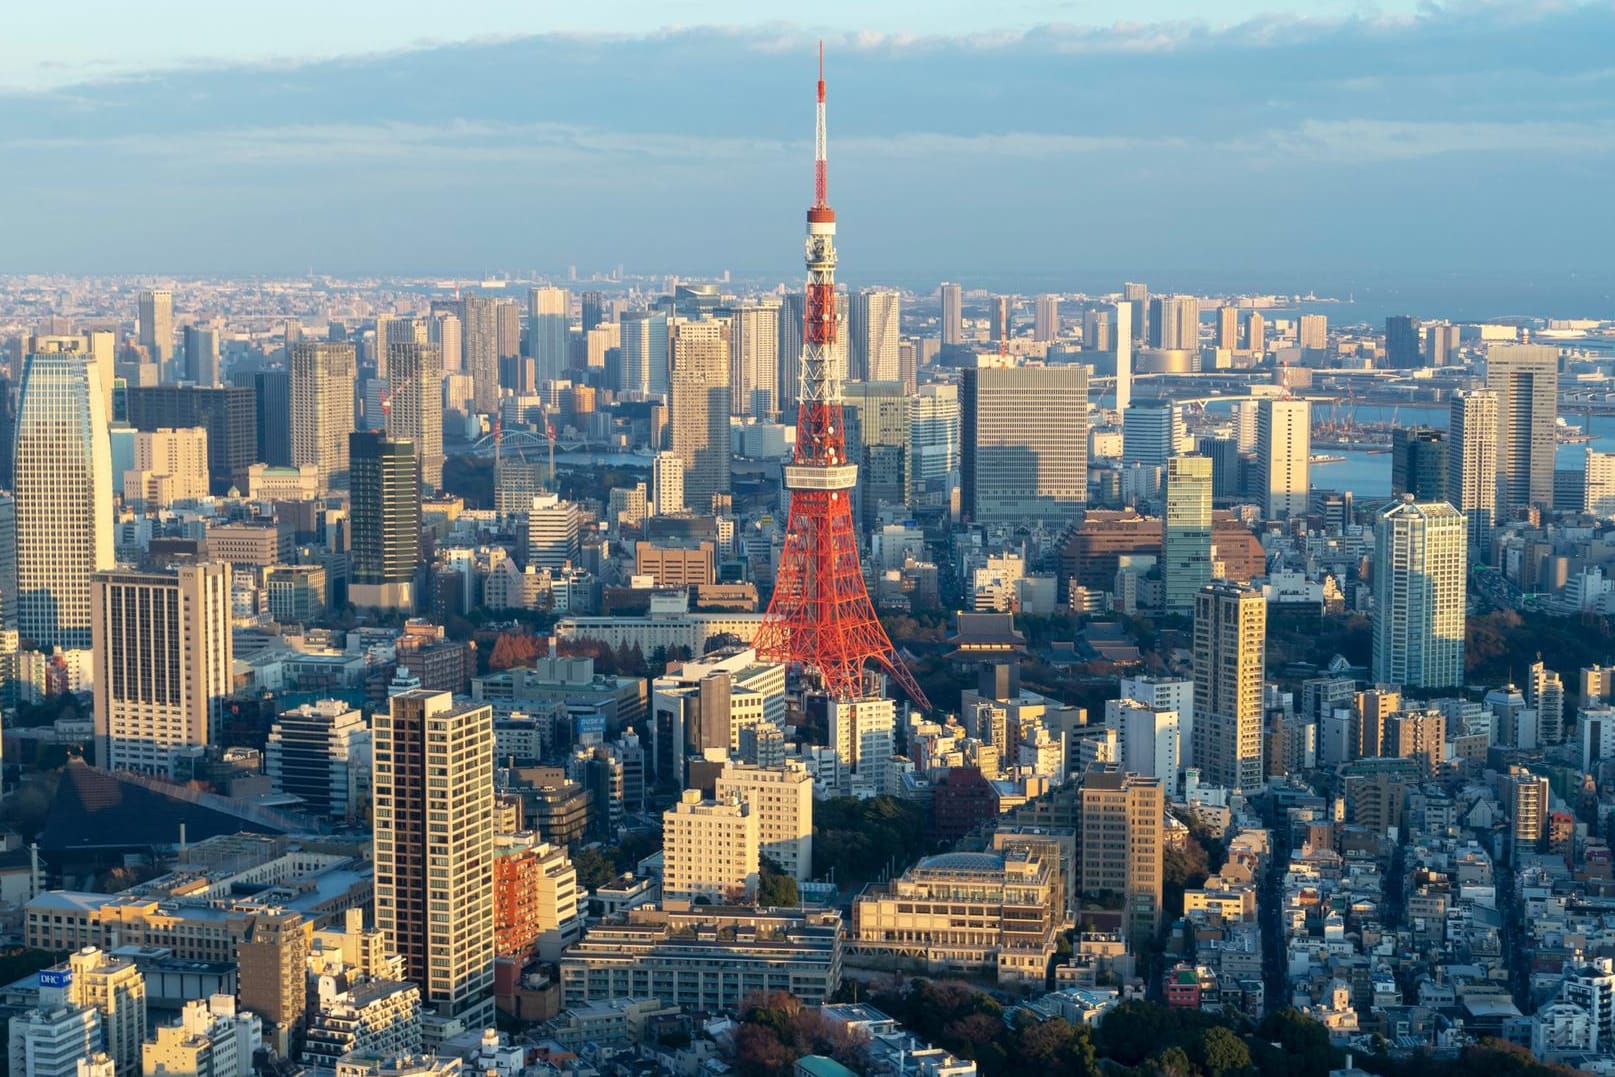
(933, 445)
(1525, 378)
(1147, 739)
(413, 407)
(667, 485)
(163, 663)
(754, 360)
(874, 321)
(1152, 432)
(1600, 495)
(63, 493)
(644, 353)
(157, 324)
(549, 332)
(321, 385)
(1122, 322)
(53, 1039)
(552, 532)
(1166, 695)
(170, 465)
(864, 732)
(1420, 569)
(1472, 464)
(1283, 457)
(782, 800)
(709, 849)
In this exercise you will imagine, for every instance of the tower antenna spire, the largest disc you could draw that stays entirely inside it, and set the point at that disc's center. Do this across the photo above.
(821, 157)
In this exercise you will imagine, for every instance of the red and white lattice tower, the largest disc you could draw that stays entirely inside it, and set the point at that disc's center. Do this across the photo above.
(820, 617)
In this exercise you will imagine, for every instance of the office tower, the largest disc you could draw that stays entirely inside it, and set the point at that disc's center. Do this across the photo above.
(1599, 496)
(1283, 456)
(1227, 329)
(1472, 464)
(1098, 330)
(114, 988)
(447, 331)
(876, 417)
(163, 654)
(228, 413)
(1136, 296)
(1419, 463)
(1186, 549)
(1402, 342)
(322, 376)
(1525, 378)
(1002, 326)
(793, 309)
(1124, 324)
(1421, 564)
(549, 332)
(699, 409)
(594, 309)
(754, 360)
(434, 828)
(908, 363)
(644, 353)
(1120, 845)
(933, 445)
(1175, 322)
(1148, 738)
(157, 325)
(1045, 318)
(1256, 334)
(272, 413)
(63, 496)
(479, 336)
(1164, 694)
(507, 320)
(1546, 692)
(952, 314)
(1313, 332)
(320, 753)
(169, 466)
(709, 850)
(1024, 444)
(552, 532)
(1441, 343)
(1152, 432)
(872, 352)
(201, 355)
(781, 797)
(1230, 660)
(414, 406)
(667, 485)
(386, 508)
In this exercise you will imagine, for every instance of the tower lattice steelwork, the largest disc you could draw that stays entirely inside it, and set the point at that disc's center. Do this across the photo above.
(820, 616)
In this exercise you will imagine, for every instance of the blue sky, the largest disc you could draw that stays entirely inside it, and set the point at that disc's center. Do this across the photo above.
(1038, 145)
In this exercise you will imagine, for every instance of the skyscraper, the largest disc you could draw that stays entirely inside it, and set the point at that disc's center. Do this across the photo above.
(1313, 332)
(434, 800)
(1472, 465)
(414, 406)
(321, 753)
(1283, 457)
(1186, 548)
(1402, 350)
(1419, 463)
(1123, 318)
(933, 445)
(754, 360)
(163, 653)
(1136, 295)
(1599, 488)
(63, 493)
(1420, 570)
(1230, 660)
(875, 335)
(644, 353)
(1256, 334)
(1545, 691)
(1525, 378)
(1045, 318)
(699, 408)
(157, 324)
(1227, 329)
(594, 309)
(386, 509)
(321, 389)
(549, 332)
(201, 355)
(272, 413)
(667, 485)
(1175, 322)
(228, 413)
(1152, 432)
(1024, 443)
(952, 314)
(1119, 844)
(479, 334)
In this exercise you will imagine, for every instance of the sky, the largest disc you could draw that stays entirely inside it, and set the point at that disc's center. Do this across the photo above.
(1026, 144)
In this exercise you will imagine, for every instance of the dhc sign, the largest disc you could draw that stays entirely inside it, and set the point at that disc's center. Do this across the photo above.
(55, 978)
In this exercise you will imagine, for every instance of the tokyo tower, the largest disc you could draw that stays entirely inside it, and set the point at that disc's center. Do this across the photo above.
(820, 617)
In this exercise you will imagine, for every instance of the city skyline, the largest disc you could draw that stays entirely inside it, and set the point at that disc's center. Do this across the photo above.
(1284, 124)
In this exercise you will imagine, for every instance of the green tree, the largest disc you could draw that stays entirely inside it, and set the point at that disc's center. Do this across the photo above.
(1221, 1053)
(594, 867)
(775, 889)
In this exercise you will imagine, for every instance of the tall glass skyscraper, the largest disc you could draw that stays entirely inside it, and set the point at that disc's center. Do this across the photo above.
(63, 490)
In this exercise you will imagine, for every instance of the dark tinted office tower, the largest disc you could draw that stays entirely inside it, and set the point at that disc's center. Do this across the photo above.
(385, 488)
(1419, 463)
(1224, 456)
(1024, 444)
(201, 355)
(952, 316)
(229, 414)
(272, 407)
(1525, 378)
(594, 310)
(1402, 343)
(508, 327)
(8, 430)
(480, 341)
